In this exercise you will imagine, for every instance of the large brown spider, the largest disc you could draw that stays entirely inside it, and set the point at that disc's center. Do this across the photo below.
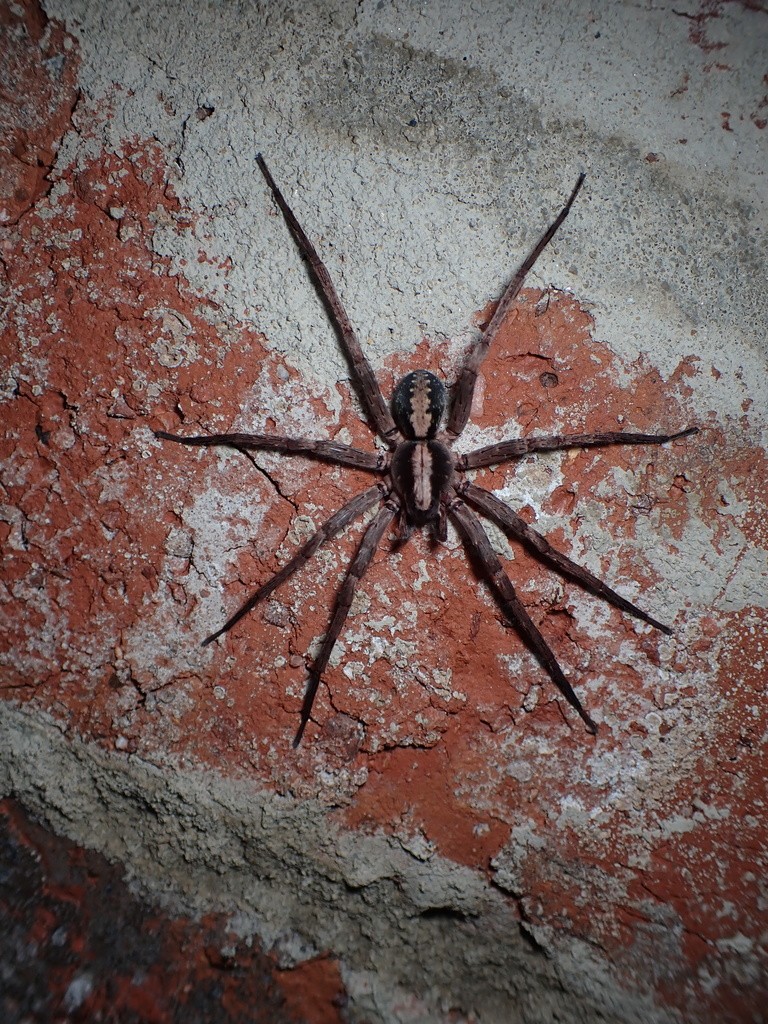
(420, 479)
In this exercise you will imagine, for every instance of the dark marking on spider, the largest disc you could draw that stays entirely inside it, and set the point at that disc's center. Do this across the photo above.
(420, 479)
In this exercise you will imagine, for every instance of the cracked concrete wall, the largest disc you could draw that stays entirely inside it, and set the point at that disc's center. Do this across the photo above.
(447, 832)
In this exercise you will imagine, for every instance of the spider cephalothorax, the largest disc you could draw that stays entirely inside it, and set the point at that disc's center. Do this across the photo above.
(421, 479)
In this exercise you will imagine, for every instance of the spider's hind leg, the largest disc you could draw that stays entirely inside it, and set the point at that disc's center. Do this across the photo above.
(465, 385)
(404, 528)
(477, 544)
(439, 525)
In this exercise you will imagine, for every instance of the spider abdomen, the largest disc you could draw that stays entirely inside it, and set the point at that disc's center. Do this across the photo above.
(418, 404)
(421, 474)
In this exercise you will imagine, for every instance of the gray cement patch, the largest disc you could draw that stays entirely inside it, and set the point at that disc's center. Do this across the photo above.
(416, 934)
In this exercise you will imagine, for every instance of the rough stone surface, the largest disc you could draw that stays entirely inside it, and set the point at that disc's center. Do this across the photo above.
(75, 944)
(447, 844)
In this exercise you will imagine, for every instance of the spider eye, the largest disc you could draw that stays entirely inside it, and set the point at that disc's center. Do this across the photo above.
(418, 404)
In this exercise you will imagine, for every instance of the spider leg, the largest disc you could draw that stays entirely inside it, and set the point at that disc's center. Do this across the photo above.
(510, 521)
(369, 390)
(345, 515)
(465, 387)
(494, 454)
(477, 543)
(328, 451)
(361, 561)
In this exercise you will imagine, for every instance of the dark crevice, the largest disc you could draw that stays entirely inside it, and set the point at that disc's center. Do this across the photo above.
(447, 914)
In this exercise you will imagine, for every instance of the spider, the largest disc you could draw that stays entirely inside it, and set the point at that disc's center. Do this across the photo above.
(421, 481)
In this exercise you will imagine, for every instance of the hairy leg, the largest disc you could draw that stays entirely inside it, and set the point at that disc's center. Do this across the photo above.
(369, 390)
(504, 451)
(328, 451)
(354, 508)
(510, 521)
(478, 545)
(465, 387)
(361, 561)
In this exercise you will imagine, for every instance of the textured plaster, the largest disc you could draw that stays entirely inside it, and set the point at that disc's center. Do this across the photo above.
(448, 844)
(388, 906)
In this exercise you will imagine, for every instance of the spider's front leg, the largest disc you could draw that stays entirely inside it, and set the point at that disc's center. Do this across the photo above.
(478, 545)
(516, 527)
(358, 566)
(465, 385)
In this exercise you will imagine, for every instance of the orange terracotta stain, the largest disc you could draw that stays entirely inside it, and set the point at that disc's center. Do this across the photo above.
(743, 470)
(411, 792)
(38, 80)
(314, 991)
(88, 334)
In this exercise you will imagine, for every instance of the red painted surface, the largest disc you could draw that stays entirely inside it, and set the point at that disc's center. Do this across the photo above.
(38, 81)
(314, 991)
(458, 752)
